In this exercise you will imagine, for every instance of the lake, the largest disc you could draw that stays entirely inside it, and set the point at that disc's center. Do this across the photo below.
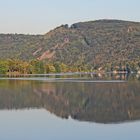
(70, 107)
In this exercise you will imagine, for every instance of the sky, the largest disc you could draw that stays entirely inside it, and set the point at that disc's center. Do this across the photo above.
(41, 16)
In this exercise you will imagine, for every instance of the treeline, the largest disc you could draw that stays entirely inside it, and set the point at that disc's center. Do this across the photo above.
(17, 67)
(127, 66)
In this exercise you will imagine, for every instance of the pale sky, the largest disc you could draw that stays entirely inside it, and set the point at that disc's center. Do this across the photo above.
(40, 16)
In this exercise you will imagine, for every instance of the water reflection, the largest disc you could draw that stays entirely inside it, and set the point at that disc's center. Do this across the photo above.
(94, 102)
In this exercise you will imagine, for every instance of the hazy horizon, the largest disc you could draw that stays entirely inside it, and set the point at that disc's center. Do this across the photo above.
(39, 17)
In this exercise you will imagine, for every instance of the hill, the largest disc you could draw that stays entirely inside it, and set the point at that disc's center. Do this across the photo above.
(100, 44)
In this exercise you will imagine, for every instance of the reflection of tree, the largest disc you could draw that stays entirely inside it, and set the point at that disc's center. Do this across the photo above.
(97, 102)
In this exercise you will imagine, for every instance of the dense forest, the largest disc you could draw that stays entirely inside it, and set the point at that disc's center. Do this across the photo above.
(102, 45)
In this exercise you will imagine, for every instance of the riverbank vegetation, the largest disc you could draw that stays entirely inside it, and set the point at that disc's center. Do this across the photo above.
(15, 67)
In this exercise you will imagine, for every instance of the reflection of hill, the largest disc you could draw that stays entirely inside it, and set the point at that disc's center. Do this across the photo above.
(96, 102)
(17, 95)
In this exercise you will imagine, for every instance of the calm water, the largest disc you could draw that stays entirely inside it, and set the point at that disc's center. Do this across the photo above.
(70, 107)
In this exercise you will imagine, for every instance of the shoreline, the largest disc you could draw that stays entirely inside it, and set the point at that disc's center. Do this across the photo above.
(66, 74)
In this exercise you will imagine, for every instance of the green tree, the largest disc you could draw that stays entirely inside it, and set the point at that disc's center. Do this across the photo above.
(37, 67)
(3, 67)
(50, 68)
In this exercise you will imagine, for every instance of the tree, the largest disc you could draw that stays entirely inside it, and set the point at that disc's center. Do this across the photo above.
(3, 67)
(37, 67)
(57, 67)
(50, 68)
(64, 67)
(128, 68)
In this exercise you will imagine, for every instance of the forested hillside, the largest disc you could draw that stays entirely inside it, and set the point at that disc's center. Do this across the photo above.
(94, 45)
